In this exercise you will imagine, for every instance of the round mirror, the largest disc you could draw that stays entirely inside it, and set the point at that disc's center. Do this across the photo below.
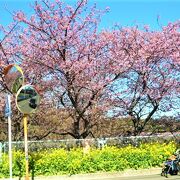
(27, 99)
(14, 78)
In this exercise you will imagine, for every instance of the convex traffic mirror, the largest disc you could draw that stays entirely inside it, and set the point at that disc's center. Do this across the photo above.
(27, 99)
(14, 78)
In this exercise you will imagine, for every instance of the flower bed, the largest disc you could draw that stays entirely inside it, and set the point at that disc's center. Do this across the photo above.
(61, 161)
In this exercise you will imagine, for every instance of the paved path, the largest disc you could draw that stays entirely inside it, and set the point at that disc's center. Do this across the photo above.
(147, 177)
(143, 177)
(146, 174)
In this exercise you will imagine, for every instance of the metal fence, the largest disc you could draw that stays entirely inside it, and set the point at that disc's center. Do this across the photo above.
(96, 143)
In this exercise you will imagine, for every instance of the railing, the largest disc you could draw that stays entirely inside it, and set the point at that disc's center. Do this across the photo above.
(98, 143)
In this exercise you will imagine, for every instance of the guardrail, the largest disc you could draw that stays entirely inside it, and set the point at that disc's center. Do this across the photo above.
(98, 142)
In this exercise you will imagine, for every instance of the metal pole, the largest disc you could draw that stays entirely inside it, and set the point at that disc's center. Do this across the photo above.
(26, 147)
(9, 136)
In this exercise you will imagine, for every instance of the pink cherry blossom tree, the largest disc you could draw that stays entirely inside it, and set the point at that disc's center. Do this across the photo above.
(60, 48)
(6, 54)
(127, 72)
(150, 88)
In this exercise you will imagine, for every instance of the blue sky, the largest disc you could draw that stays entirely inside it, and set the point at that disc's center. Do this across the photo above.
(123, 12)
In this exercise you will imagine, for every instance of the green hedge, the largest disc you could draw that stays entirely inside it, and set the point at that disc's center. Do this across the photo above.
(60, 161)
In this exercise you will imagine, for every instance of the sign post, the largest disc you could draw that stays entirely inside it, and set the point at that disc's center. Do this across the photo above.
(14, 79)
(27, 101)
(8, 115)
(26, 147)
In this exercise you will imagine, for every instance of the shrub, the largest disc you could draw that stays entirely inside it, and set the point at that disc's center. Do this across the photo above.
(60, 161)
